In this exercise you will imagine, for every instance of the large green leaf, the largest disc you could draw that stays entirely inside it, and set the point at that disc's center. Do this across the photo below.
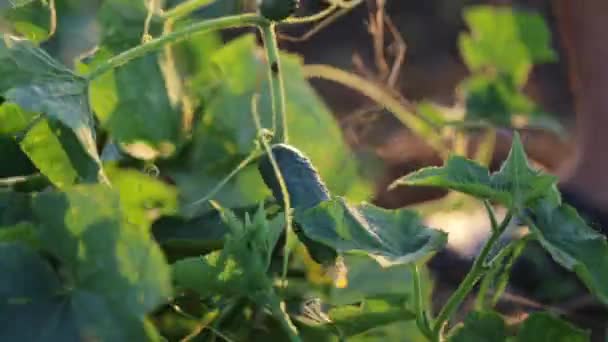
(515, 185)
(226, 132)
(31, 19)
(573, 244)
(51, 146)
(391, 237)
(38, 83)
(142, 197)
(33, 295)
(86, 230)
(543, 327)
(481, 327)
(505, 39)
(132, 102)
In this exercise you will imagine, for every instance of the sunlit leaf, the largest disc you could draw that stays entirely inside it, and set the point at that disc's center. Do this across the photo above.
(143, 198)
(508, 40)
(38, 83)
(391, 237)
(515, 185)
(132, 101)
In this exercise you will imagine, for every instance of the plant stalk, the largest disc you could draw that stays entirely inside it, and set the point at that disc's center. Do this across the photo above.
(468, 283)
(421, 320)
(376, 93)
(275, 79)
(177, 36)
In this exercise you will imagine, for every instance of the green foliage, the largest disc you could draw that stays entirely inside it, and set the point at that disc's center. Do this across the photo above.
(88, 262)
(110, 273)
(573, 244)
(351, 320)
(481, 327)
(515, 185)
(500, 51)
(240, 268)
(31, 19)
(544, 327)
(538, 327)
(391, 237)
(37, 83)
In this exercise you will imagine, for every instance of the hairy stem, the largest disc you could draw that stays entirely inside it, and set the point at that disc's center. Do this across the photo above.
(275, 79)
(468, 283)
(376, 93)
(174, 37)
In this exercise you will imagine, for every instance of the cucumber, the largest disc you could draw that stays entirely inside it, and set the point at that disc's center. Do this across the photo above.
(277, 10)
(305, 188)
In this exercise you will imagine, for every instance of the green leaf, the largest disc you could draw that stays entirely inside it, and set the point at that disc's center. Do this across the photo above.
(56, 152)
(351, 320)
(132, 102)
(32, 20)
(38, 83)
(32, 295)
(481, 327)
(13, 119)
(391, 237)
(85, 230)
(543, 327)
(22, 232)
(573, 244)
(180, 237)
(142, 198)
(15, 207)
(505, 39)
(515, 185)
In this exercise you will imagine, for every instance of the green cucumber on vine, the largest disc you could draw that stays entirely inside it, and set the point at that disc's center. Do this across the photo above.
(277, 10)
(305, 187)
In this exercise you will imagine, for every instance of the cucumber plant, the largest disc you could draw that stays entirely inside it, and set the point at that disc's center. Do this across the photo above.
(104, 234)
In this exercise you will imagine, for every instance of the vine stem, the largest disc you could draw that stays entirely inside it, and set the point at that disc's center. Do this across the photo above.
(477, 270)
(421, 319)
(376, 93)
(275, 78)
(289, 233)
(184, 33)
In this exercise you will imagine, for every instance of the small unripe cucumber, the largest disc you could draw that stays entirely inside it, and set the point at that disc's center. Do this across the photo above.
(305, 188)
(277, 10)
